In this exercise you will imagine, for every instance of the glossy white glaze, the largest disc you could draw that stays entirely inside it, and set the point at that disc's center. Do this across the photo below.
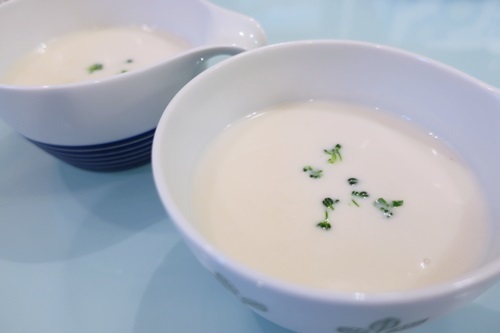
(458, 109)
(89, 113)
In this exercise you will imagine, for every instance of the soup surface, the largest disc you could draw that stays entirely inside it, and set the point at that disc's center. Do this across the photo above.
(93, 54)
(340, 197)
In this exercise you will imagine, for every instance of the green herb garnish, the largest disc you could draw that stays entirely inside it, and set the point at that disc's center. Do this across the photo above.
(352, 181)
(325, 223)
(329, 203)
(95, 67)
(357, 194)
(313, 173)
(397, 203)
(385, 207)
(334, 153)
(362, 194)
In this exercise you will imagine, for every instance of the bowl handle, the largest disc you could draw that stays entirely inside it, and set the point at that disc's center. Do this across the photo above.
(233, 29)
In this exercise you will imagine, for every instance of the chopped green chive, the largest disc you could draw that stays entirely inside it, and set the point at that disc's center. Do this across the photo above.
(95, 67)
(352, 181)
(334, 153)
(385, 207)
(329, 202)
(325, 223)
(357, 194)
(362, 194)
(313, 173)
(397, 203)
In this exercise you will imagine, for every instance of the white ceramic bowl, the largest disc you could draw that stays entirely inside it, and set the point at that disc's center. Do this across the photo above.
(109, 124)
(461, 110)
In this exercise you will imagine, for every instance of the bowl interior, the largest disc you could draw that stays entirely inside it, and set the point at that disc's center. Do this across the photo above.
(187, 19)
(456, 108)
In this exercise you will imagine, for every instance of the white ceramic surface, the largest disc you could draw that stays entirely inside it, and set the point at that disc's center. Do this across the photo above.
(449, 104)
(92, 113)
(94, 252)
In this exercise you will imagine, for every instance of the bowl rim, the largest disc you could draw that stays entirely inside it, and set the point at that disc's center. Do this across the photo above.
(484, 275)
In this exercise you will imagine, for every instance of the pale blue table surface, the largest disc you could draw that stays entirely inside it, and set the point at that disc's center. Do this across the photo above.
(84, 252)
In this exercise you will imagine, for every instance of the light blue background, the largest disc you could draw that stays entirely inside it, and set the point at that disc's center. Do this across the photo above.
(85, 252)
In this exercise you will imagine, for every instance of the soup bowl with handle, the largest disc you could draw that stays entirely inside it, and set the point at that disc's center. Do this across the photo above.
(108, 124)
(461, 110)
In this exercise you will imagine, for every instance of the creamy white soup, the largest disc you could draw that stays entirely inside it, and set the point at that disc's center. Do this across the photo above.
(340, 197)
(94, 54)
